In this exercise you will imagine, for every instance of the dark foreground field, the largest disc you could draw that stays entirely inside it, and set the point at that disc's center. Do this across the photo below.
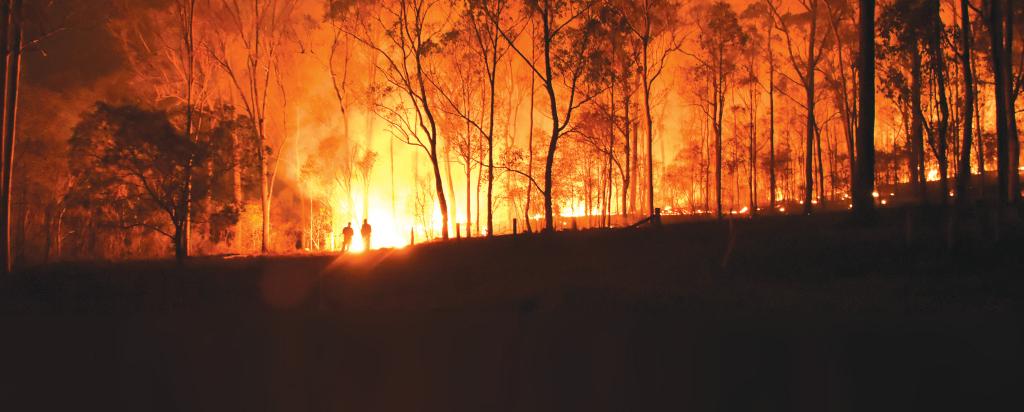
(786, 313)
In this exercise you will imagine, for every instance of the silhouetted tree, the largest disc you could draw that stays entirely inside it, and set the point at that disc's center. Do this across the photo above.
(413, 31)
(719, 39)
(806, 66)
(939, 138)
(963, 178)
(12, 45)
(131, 165)
(762, 12)
(564, 39)
(840, 76)
(864, 182)
(655, 23)
(999, 21)
(906, 28)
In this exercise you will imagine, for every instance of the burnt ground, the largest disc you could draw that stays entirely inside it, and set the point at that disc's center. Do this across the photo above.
(778, 313)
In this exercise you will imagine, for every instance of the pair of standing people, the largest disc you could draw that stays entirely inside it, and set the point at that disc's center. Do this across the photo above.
(365, 232)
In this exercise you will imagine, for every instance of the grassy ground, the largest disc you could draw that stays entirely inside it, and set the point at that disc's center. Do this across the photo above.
(778, 313)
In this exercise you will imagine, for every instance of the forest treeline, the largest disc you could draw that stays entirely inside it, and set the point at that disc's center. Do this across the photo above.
(264, 125)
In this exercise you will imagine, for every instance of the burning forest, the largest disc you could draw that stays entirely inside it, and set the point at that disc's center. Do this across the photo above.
(511, 205)
(203, 127)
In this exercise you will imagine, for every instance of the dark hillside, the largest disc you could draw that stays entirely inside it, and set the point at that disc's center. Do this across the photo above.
(779, 313)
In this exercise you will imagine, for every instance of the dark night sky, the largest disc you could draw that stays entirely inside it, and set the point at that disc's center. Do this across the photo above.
(68, 71)
(84, 53)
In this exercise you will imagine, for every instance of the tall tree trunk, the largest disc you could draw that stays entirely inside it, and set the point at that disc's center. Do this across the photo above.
(611, 157)
(772, 185)
(943, 126)
(13, 82)
(627, 126)
(811, 124)
(718, 114)
(451, 183)
(469, 179)
(1000, 74)
(821, 167)
(917, 172)
(264, 195)
(648, 116)
(439, 188)
(1013, 142)
(635, 171)
(529, 138)
(6, 16)
(864, 183)
(963, 179)
(809, 145)
(753, 149)
(940, 147)
(187, 34)
(479, 183)
(549, 162)
(979, 129)
(490, 142)
(529, 161)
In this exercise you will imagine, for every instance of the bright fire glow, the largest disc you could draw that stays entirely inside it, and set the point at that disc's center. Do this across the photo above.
(387, 230)
(577, 211)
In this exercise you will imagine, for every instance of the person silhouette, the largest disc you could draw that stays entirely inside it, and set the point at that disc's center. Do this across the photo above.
(347, 233)
(366, 231)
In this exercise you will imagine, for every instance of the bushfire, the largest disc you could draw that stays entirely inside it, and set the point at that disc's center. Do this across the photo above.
(205, 127)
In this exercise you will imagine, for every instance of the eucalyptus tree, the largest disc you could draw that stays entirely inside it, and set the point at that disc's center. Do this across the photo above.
(719, 40)
(750, 63)
(864, 181)
(763, 18)
(903, 29)
(841, 74)
(963, 178)
(565, 40)
(12, 40)
(130, 167)
(805, 23)
(999, 20)
(479, 30)
(939, 138)
(413, 34)
(168, 67)
(248, 37)
(655, 24)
